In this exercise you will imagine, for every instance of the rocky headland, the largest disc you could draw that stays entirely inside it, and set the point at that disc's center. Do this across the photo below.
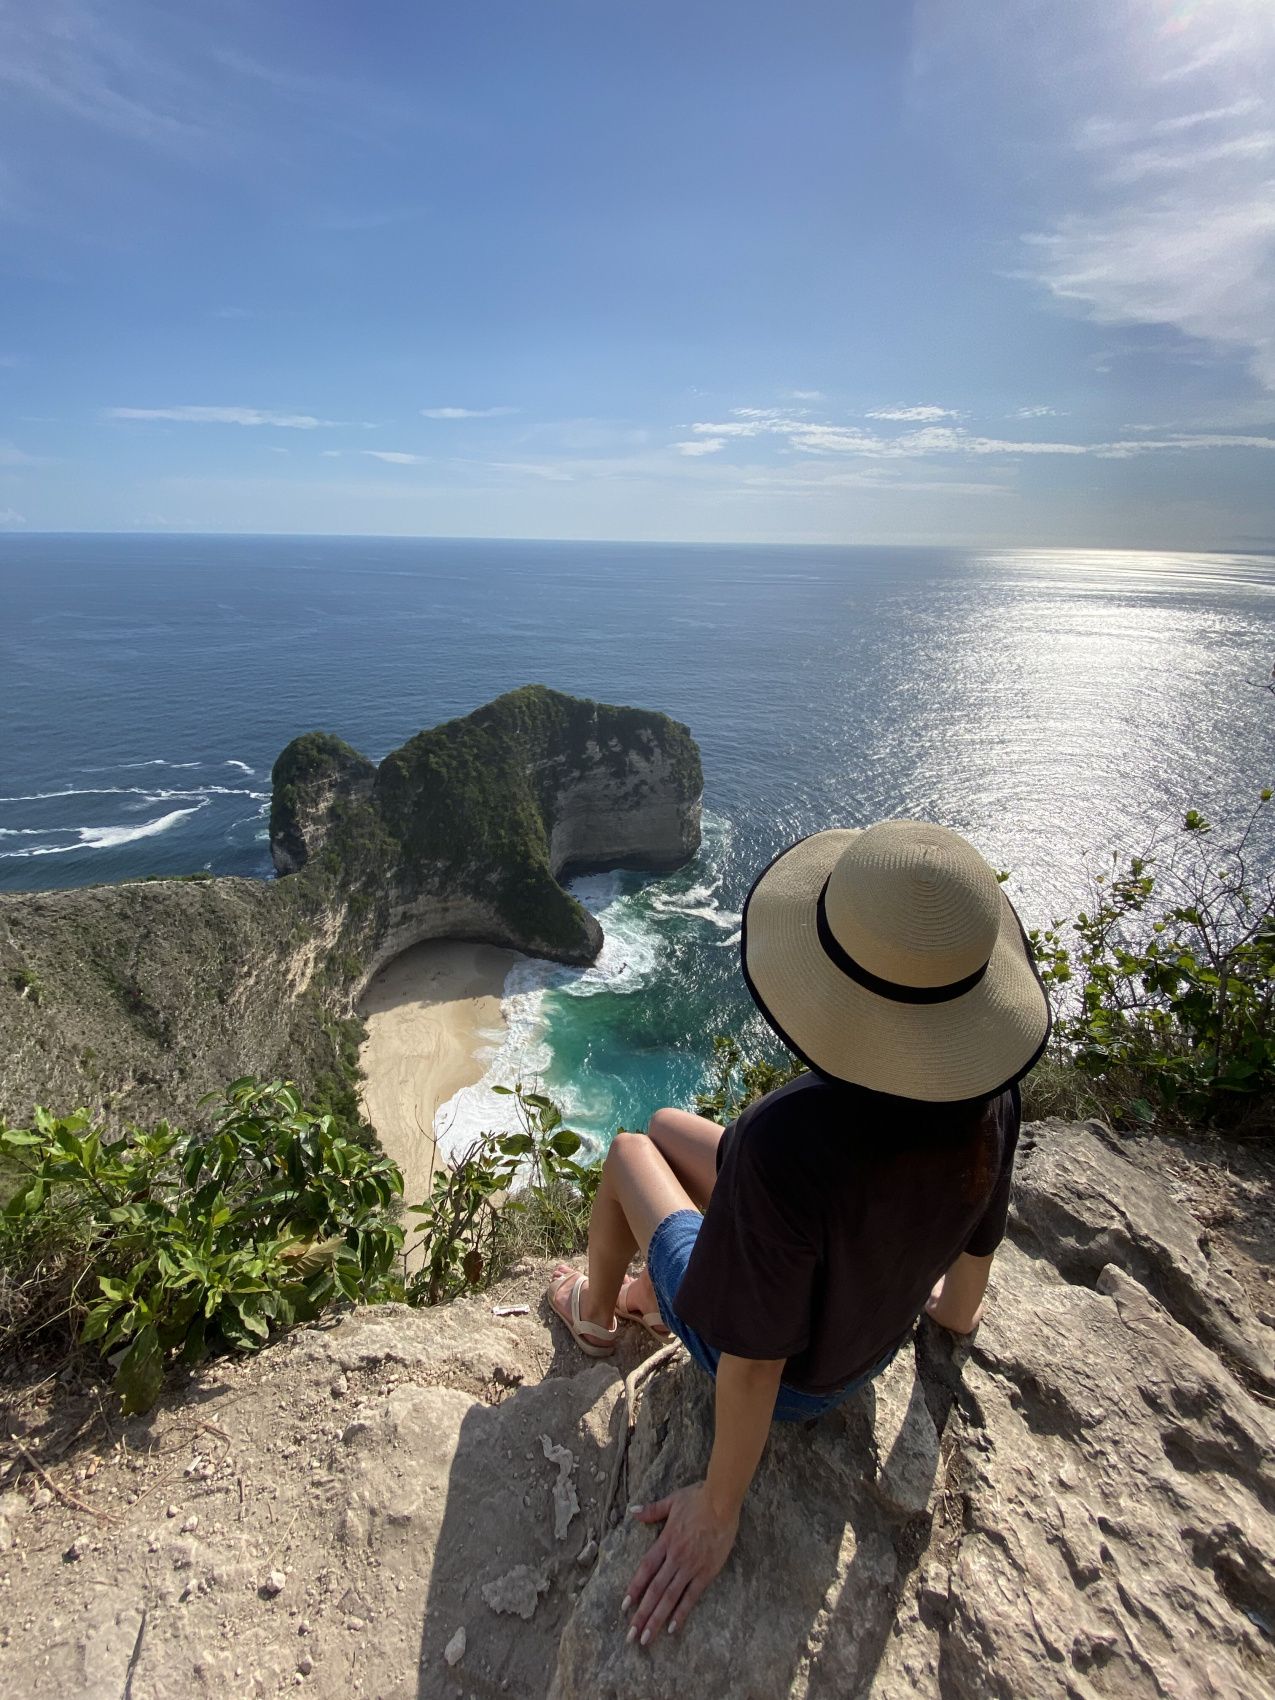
(1074, 1504)
(136, 999)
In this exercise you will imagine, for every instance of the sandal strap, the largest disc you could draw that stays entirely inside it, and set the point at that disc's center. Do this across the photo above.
(581, 1325)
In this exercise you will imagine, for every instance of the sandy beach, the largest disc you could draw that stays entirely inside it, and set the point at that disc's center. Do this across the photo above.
(428, 1013)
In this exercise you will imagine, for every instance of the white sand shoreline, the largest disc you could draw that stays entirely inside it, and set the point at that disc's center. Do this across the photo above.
(430, 1014)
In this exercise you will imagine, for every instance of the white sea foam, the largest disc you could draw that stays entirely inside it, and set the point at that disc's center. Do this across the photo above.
(241, 765)
(98, 837)
(108, 837)
(638, 928)
(153, 793)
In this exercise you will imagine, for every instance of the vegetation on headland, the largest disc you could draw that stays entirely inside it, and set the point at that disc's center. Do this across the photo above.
(157, 1246)
(1164, 987)
(135, 998)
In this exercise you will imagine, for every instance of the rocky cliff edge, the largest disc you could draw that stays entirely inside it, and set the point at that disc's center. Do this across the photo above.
(1076, 1503)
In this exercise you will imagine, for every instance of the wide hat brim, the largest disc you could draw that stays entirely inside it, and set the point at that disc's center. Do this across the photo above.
(969, 1047)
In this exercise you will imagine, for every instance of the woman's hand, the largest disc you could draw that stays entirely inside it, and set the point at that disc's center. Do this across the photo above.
(693, 1545)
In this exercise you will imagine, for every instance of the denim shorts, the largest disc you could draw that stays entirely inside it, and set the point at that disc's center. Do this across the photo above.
(666, 1259)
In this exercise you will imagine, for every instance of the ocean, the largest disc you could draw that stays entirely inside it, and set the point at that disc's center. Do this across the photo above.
(1052, 705)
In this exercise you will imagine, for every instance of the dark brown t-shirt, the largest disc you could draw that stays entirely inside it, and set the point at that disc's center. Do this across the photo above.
(834, 1212)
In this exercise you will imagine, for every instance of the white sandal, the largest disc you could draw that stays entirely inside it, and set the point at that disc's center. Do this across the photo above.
(651, 1320)
(592, 1339)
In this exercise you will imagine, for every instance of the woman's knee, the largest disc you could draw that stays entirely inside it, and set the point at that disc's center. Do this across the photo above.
(662, 1126)
(624, 1146)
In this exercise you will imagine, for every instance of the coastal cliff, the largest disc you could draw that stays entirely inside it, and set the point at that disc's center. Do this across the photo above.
(1071, 1504)
(135, 999)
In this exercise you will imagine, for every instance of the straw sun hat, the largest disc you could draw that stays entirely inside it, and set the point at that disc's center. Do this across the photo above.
(891, 958)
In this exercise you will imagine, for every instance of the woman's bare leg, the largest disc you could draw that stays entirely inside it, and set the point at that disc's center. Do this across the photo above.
(690, 1144)
(643, 1181)
(637, 1191)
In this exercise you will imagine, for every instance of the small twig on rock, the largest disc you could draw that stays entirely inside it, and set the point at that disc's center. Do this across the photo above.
(61, 1493)
(629, 1399)
(280, 1544)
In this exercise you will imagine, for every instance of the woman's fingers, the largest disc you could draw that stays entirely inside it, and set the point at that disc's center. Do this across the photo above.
(652, 1598)
(645, 1572)
(667, 1608)
(694, 1588)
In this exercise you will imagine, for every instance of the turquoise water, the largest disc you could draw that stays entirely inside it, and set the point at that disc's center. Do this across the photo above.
(1049, 704)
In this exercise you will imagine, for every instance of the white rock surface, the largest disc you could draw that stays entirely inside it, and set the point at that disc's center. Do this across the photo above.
(1076, 1504)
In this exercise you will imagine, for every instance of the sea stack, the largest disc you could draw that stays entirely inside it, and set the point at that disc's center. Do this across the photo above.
(135, 999)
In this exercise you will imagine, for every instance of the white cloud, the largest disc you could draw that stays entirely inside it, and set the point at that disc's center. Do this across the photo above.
(223, 416)
(805, 395)
(1034, 413)
(809, 437)
(12, 455)
(467, 412)
(395, 457)
(535, 469)
(913, 413)
(1151, 135)
(10, 516)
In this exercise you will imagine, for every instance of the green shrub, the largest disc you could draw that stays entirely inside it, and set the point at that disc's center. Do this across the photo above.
(161, 1246)
(508, 1194)
(1164, 987)
(735, 1081)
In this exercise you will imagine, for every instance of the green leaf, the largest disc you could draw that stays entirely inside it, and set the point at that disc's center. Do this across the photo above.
(27, 1198)
(566, 1143)
(141, 1372)
(96, 1322)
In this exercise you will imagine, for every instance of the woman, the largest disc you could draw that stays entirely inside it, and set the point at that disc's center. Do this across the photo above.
(793, 1252)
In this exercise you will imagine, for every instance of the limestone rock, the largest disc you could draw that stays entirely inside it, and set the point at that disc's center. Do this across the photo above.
(1064, 1204)
(565, 1500)
(1076, 1505)
(517, 1591)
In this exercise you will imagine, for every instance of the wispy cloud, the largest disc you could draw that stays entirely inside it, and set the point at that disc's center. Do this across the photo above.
(1034, 413)
(913, 413)
(1152, 131)
(813, 437)
(467, 412)
(395, 457)
(12, 455)
(11, 517)
(805, 395)
(546, 470)
(224, 416)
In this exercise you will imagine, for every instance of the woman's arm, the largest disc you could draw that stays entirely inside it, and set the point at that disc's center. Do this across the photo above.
(701, 1522)
(957, 1301)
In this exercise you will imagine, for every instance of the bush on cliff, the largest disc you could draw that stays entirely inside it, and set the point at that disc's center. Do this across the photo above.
(1164, 987)
(161, 1246)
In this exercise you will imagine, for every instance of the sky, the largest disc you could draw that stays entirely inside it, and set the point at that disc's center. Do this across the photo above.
(980, 272)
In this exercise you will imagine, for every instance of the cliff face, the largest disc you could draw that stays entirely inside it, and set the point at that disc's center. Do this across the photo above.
(466, 831)
(138, 998)
(1073, 1504)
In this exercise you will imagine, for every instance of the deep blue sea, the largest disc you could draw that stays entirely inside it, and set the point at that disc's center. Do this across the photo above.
(1049, 704)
